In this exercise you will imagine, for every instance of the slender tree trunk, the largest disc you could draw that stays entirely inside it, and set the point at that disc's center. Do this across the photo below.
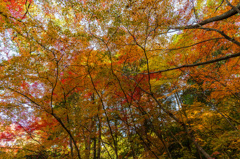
(70, 141)
(131, 142)
(88, 140)
(116, 136)
(70, 134)
(185, 127)
(94, 148)
(99, 138)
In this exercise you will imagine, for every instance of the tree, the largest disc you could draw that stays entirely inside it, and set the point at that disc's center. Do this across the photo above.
(120, 79)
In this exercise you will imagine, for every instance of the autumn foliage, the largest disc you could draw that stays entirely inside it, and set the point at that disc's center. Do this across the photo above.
(120, 79)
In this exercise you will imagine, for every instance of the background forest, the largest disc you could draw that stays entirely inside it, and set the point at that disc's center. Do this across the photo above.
(117, 79)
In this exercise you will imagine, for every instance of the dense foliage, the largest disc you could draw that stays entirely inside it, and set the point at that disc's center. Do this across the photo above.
(120, 79)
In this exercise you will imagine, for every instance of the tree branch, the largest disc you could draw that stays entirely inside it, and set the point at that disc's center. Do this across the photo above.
(197, 64)
(223, 16)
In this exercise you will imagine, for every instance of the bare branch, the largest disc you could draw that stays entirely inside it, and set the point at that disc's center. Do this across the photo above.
(223, 16)
(233, 7)
(198, 64)
(184, 47)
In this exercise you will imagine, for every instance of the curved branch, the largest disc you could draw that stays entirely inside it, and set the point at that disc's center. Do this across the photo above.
(197, 64)
(233, 7)
(187, 46)
(223, 34)
(223, 16)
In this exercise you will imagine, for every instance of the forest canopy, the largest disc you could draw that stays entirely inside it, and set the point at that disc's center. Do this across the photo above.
(133, 79)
